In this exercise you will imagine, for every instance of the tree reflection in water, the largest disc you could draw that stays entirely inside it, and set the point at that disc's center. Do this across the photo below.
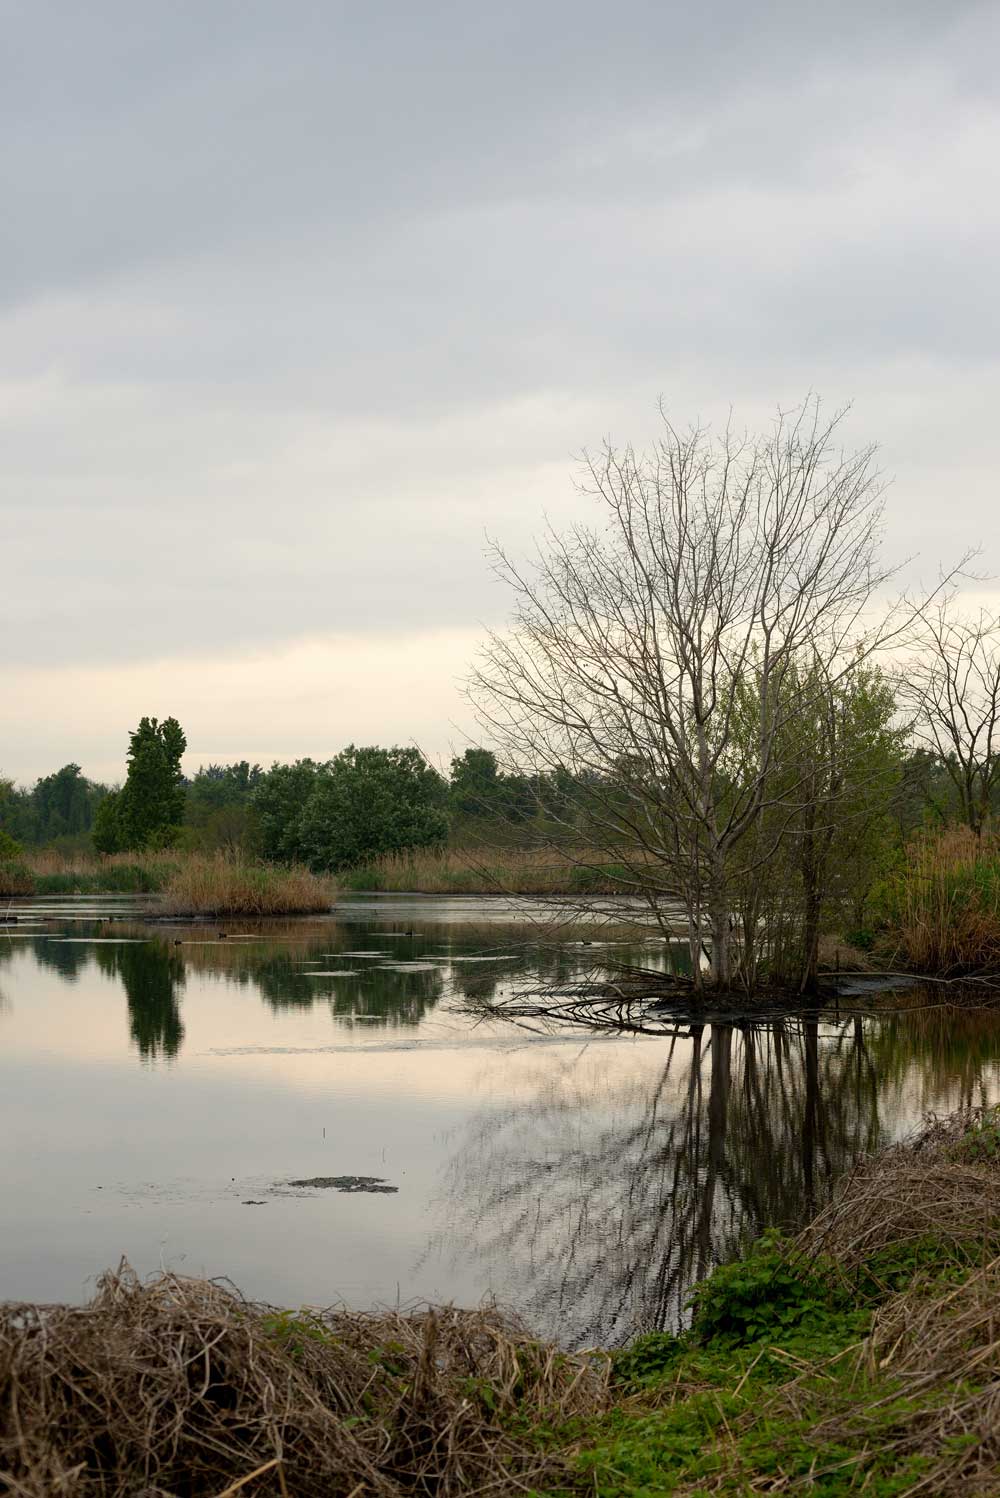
(611, 1199)
(152, 975)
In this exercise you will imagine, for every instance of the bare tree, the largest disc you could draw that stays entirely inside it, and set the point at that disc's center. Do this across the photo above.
(951, 684)
(719, 560)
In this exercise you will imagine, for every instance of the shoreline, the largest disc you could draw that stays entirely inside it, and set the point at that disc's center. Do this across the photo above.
(857, 1356)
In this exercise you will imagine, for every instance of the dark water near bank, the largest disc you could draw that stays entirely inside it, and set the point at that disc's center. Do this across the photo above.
(157, 1098)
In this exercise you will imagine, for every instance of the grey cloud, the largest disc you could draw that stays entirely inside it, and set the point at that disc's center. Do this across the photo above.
(296, 300)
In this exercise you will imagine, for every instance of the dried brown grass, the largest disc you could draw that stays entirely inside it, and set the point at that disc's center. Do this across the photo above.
(207, 884)
(53, 861)
(928, 1374)
(920, 1189)
(15, 879)
(487, 871)
(180, 1387)
(943, 906)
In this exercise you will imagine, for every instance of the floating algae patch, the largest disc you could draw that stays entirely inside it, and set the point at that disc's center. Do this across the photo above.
(375, 1184)
(341, 972)
(410, 967)
(504, 957)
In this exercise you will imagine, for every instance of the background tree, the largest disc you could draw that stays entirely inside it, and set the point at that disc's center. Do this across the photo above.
(106, 833)
(218, 812)
(951, 685)
(476, 786)
(150, 805)
(59, 808)
(718, 560)
(368, 802)
(10, 848)
(279, 800)
(824, 831)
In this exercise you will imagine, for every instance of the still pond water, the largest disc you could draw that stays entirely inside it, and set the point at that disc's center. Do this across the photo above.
(160, 1088)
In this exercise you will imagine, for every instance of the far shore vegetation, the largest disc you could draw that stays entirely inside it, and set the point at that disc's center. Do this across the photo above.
(709, 706)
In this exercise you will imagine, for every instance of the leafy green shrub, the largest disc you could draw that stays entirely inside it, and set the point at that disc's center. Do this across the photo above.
(979, 1145)
(647, 1357)
(764, 1294)
(9, 848)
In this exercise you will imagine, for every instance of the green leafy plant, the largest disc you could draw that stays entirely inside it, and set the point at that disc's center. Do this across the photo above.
(764, 1294)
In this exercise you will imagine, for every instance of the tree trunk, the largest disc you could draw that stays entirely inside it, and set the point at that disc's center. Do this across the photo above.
(719, 914)
(811, 905)
(810, 941)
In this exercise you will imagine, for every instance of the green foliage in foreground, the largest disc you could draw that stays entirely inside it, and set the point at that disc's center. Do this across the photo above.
(765, 1389)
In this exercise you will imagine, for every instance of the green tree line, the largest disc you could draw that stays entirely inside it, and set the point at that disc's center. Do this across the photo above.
(369, 801)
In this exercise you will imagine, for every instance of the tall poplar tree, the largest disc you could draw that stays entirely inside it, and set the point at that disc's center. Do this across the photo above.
(150, 806)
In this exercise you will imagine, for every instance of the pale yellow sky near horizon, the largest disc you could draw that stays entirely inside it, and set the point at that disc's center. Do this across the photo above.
(310, 697)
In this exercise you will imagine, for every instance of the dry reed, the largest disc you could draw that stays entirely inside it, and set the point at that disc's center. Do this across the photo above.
(928, 1374)
(487, 871)
(51, 861)
(205, 884)
(922, 1189)
(943, 907)
(180, 1387)
(15, 879)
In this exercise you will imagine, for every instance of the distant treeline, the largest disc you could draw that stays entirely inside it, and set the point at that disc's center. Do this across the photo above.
(329, 814)
(58, 809)
(361, 804)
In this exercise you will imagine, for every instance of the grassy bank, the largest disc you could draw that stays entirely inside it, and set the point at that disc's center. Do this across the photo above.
(43, 872)
(184, 883)
(486, 871)
(860, 1357)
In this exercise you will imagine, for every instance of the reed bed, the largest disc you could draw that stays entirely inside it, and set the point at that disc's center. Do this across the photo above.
(46, 871)
(179, 1387)
(943, 907)
(15, 879)
(488, 871)
(217, 885)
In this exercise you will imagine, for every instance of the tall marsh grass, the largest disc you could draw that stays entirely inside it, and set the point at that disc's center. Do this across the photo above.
(205, 884)
(189, 883)
(486, 871)
(942, 908)
(46, 871)
(15, 879)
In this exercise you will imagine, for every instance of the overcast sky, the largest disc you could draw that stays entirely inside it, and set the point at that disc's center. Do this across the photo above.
(297, 300)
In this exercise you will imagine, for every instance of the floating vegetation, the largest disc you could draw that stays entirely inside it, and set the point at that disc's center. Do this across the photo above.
(377, 1184)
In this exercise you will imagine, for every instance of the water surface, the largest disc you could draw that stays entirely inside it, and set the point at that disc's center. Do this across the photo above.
(160, 1087)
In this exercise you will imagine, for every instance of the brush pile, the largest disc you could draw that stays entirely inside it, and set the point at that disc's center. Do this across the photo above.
(179, 1387)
